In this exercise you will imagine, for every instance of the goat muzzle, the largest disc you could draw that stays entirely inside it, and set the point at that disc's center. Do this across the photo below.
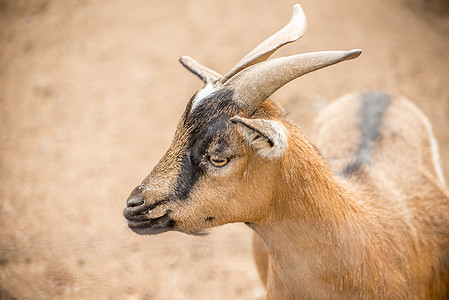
(144, 217)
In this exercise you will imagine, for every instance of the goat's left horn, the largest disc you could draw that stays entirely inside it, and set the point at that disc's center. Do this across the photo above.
(255, 84)
(205, 74)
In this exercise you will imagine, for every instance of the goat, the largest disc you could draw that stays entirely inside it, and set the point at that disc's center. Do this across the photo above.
(366, 216)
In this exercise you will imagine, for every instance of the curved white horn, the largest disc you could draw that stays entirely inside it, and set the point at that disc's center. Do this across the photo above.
(205, 74)
(290, 33)
(255, 84)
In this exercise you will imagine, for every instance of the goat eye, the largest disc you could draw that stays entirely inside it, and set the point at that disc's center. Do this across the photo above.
(218, 161)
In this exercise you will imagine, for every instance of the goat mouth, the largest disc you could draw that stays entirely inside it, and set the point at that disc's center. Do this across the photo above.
(152, 226)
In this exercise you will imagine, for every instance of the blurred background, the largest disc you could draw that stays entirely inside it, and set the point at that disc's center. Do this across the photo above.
(90, 96)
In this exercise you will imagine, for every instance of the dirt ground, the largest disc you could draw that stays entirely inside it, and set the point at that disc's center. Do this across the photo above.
(90, 95)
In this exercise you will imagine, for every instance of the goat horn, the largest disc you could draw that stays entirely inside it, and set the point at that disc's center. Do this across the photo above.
(290, 33)
(205, 74)
(255, 84)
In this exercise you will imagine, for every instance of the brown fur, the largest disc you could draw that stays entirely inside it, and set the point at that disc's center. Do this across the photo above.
(368, 218)
(382, 234)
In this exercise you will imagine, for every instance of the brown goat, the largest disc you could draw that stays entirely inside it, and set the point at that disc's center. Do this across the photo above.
(365, 217)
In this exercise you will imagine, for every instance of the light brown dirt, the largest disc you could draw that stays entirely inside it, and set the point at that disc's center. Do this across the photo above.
(90, 95)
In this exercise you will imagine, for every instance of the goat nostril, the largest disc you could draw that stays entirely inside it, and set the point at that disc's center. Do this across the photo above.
(135, 201)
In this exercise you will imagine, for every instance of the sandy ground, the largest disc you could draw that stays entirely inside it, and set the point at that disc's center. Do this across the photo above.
(90, 95)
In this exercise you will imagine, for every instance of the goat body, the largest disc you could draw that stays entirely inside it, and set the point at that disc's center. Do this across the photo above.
(379, 229)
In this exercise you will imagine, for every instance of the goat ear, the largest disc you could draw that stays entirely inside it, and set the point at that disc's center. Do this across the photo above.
(267, 137)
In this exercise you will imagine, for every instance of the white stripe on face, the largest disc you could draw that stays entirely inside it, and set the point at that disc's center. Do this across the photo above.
(203, 93)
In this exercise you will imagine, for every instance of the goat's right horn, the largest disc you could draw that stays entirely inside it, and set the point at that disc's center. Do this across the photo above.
(255, 84)
(290, 33)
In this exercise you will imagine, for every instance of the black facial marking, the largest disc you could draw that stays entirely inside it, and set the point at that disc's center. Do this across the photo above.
(188, 176)
(208, 122)
(218, 102)
(374, 105)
